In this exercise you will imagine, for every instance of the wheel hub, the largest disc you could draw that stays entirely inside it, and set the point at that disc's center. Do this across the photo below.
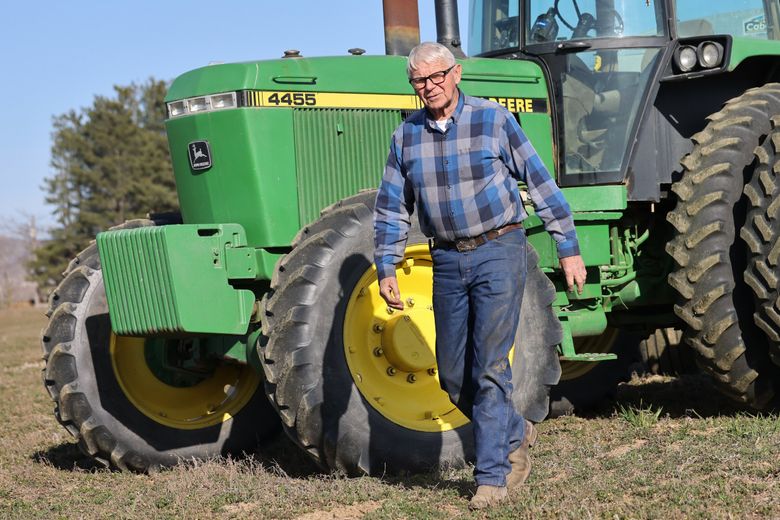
(200, 400)
(391, 353)
(408, 341)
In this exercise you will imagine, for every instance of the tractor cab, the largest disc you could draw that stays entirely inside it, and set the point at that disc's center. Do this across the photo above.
(605, 57)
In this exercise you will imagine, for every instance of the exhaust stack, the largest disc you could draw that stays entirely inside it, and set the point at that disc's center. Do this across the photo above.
(402, 26)
(447, 27)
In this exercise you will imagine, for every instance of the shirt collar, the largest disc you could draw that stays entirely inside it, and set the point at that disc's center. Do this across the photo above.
(455, 115)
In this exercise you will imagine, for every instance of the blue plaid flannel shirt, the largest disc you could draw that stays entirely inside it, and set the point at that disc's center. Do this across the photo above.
(463, 181)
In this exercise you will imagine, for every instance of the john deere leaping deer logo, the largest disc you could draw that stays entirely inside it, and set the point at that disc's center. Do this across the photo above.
(200, 155)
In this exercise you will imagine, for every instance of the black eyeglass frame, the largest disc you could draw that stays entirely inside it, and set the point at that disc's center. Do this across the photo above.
(424, 81)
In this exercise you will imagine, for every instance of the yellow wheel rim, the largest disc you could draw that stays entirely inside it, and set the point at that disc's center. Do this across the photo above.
(391, 354)
(210, 402)
(596, 344)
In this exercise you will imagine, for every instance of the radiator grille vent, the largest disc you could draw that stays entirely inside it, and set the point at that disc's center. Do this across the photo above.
(338, 153)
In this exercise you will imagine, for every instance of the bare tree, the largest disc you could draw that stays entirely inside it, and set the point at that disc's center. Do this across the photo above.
(18, 239)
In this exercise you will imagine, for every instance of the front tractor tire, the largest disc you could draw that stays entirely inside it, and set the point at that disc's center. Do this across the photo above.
(715, 302)
(355, 383)
(121, 413)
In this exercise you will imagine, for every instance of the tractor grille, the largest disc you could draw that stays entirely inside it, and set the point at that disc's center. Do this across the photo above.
(338, 152)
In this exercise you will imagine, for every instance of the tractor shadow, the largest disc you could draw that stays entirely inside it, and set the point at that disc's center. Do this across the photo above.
(278, 455)
(66, 457)
(690, 395)
(282, 456)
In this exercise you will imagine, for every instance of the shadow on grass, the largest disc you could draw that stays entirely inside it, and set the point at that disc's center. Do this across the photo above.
(693, 395)
(434, 480)
(280, 455)
(67, 457)
(283, 456)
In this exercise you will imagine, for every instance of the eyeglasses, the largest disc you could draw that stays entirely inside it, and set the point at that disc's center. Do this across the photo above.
(437, 78)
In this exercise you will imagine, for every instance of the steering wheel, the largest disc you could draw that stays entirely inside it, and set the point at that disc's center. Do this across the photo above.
(586, 22)
(563, 21)
(507, 32)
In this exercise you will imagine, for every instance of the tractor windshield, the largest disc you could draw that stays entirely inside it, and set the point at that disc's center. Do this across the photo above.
(494, 25)
(562, 20)
(741, 18)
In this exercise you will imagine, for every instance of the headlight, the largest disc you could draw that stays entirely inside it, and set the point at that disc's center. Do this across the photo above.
(198, 104)
(219, 101)
(710, 54)
(685, 58)
(177, 108)
(184, 107)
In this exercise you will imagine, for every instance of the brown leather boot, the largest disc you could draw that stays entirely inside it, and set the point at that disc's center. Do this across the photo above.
(488, 496)
(521, 460)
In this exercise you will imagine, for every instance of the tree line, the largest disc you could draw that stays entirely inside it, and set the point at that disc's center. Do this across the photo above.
(111, 163)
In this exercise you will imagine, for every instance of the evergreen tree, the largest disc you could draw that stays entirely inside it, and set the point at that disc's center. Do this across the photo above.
(111, 164)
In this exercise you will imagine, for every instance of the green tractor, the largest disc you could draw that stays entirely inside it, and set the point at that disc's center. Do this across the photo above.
(194, 335)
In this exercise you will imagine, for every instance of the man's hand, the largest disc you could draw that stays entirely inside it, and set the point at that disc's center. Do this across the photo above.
(388, 289)
(574, 270)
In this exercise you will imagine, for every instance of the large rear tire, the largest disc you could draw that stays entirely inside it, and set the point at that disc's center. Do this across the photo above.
(356, 385)
(120, 413)
(762, 235)
(715, 302)
(663, 352)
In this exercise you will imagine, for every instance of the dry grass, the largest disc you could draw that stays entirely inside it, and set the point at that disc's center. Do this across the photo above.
(698, 457)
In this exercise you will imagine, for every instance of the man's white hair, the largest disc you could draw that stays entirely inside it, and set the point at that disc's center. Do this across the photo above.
(429, 52)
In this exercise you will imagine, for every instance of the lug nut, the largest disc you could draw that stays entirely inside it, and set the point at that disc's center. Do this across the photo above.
(378, 351)
(390, 371)
(390, 310)
(378, 328)
(411, 378)
(431, 371)
(410, 302)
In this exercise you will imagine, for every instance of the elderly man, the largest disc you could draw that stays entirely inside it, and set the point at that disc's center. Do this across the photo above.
(457, 162)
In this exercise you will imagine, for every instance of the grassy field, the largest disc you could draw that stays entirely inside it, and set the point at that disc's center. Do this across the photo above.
(665, 448)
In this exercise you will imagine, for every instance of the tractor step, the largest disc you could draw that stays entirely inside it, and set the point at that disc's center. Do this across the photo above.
(588, 357)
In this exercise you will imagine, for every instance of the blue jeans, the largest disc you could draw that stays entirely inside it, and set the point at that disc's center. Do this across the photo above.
(476, 302)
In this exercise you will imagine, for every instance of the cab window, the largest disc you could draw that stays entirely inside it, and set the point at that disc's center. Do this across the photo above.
(562, 20)
(739, 18)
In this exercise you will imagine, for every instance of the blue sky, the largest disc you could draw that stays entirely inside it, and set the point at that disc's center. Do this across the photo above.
(56, 56)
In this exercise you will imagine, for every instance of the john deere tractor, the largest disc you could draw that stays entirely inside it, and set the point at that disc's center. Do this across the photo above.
(194, 335)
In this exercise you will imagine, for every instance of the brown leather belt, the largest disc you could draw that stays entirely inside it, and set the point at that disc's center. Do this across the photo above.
(470, 244)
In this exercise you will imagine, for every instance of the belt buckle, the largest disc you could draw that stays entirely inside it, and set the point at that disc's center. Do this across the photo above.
(465, 244)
